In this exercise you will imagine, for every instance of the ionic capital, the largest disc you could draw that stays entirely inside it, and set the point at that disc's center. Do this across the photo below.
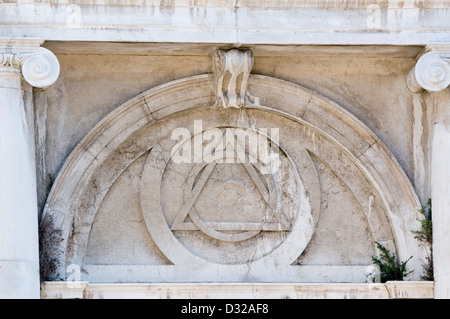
(432, 70)
(39, 67)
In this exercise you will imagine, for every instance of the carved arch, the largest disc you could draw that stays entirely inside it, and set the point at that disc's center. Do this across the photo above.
(86, 176)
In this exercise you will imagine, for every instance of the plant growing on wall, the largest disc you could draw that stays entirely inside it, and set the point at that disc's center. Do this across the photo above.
(49, 238)
(390, 267)
(425, 234)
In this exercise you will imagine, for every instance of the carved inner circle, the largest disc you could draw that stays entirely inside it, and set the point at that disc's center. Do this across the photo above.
(39, 67)
(236, 207)
(231, 209)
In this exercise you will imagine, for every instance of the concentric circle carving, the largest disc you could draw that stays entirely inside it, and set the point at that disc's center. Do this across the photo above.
(228, 203)
(433, 72)
(40, 69)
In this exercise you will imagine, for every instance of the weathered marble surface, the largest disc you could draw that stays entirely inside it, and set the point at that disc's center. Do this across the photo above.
(390, 290)
(355, 22)
(337, 192)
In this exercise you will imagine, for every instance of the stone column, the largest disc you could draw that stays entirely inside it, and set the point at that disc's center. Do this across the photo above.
(19, 249)
(432, 73)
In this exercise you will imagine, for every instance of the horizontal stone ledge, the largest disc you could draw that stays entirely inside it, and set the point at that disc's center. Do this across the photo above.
(230, 36)
(254, 22)
(206, 49)
(87, 290)
(227, 274)
(263, 4)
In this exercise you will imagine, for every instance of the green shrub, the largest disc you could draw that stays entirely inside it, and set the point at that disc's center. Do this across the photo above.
(390, 267)
(425, 234)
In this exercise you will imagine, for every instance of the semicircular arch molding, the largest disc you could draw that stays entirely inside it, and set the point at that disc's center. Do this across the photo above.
(310, 126)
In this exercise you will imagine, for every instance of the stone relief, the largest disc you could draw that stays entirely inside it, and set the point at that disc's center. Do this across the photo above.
(171, 188)
(228, 205)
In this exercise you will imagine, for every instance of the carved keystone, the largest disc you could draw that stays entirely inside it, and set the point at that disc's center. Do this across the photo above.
(231, 71)
(432, 71)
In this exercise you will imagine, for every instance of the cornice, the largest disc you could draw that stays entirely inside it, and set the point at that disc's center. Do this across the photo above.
(242, 22)
(260, 4)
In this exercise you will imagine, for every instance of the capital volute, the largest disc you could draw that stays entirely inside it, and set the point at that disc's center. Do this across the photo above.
(39, 66)
(432, 70)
